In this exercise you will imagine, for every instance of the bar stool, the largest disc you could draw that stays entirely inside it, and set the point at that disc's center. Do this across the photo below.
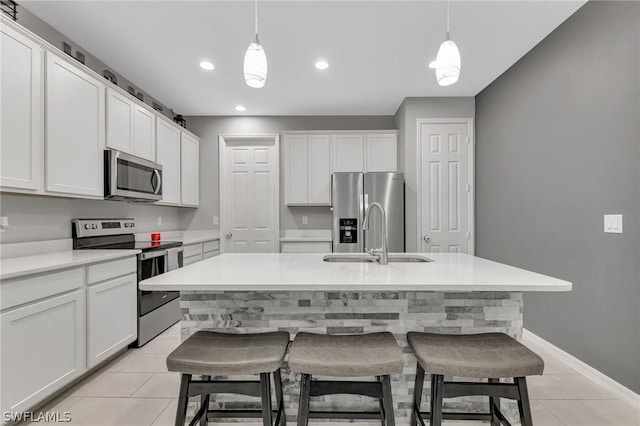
(377, 355)
(207, 353)
(489, 356)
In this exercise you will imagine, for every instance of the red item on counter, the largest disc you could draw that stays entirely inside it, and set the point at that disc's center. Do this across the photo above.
(155, 236)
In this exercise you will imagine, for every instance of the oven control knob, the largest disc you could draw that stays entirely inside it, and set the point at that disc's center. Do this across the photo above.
(126, 225)
(86, 226)
(94, 226)
(131, 225)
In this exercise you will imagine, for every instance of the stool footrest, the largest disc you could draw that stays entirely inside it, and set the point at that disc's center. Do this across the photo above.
(333, 387)
(241, 387)
(364, 415)
(501, 390)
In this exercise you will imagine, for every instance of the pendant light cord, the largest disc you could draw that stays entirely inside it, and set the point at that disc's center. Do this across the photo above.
(256, 15)
(448, 5)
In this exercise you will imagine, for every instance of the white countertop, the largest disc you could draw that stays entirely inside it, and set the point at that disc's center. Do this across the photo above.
(308, 272)
(14, 267)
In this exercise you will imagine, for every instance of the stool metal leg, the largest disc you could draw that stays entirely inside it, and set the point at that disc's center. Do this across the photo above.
(523, 402)
(265, 393)
(381, 403)
(303, 405)
(494, 402)
(277, 382)
(387, 401)
(437, 388)
(417, 394)
(183, 399)
(204, 402)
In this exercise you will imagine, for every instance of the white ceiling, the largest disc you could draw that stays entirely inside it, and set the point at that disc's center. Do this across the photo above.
(378, 50)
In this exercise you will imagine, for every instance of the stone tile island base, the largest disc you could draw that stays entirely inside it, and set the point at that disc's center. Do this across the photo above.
(359, 312)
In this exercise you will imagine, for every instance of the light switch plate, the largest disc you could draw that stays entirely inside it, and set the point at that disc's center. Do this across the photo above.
(216, 220)
(305, 220)
(159, 220)
(613, 223)
(4, 222)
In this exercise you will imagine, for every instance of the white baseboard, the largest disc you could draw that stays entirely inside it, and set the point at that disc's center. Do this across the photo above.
(586, 370)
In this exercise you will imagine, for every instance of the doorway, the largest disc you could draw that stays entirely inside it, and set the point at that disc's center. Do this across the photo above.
(445, 185)
(249, 193)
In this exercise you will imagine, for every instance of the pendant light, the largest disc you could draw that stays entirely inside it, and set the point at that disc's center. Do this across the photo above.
(447, 63)
(255, 60)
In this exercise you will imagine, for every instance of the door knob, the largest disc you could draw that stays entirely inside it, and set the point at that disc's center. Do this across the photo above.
(426, 238)
(229, 235)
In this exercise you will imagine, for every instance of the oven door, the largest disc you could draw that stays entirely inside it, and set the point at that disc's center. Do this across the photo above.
(131, 178)
(151, 264)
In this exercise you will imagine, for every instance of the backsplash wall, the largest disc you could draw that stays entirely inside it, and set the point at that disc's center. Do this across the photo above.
(37, 218)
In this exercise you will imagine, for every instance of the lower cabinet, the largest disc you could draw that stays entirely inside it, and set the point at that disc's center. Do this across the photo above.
(111, 317)
(199, 251)
(43, 349)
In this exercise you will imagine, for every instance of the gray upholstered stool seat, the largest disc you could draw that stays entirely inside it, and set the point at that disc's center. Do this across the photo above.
(359, 355)
(211, 353)
(494, 355)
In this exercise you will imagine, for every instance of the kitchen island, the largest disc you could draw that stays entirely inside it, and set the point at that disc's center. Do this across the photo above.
(455, 293)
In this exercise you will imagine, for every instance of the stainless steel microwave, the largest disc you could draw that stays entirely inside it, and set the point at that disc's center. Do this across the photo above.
(131, 178)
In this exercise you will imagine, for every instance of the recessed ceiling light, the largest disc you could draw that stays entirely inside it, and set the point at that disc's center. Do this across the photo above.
(322, 65)
(240, 108)
(206, 65)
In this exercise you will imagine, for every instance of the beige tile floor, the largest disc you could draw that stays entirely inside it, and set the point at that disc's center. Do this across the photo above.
(135, 389)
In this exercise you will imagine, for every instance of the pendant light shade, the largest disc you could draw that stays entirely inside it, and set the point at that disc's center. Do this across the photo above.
(255, 65)
(255, 60)
(447, 63)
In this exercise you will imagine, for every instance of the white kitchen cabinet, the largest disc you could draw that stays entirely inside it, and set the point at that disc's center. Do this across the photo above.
(21, 111)
(168, 155)
(130, 127)
(347, 151)
(305, 247)
(307, 170)
(189, 171)
(75, 130)
(199, 251)
(381, 151)
(43, 349)
(111, 317)
(144, 133)
(296, 169)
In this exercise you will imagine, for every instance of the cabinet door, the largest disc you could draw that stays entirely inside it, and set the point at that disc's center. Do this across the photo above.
(190, 171)
(111, 317)
(347, 151)
(21, 114)
(119, 122)
(296, 171)
(319, 184)
(74, 130)
(382, 152)
(168, 155)
(43, 349)
(144, 133)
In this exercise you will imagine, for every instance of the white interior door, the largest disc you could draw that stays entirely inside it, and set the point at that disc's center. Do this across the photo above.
(446, 202)
(250, 188)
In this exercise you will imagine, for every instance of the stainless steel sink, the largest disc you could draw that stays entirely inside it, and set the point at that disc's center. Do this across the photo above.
(365, 258)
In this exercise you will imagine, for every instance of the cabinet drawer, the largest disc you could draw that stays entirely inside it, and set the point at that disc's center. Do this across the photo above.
(24, 290)
(192, 250)
(211, 246)
(211, 254)
(112, 269)
(193, 259)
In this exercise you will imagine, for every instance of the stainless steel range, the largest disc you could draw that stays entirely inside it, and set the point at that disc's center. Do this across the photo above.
(157, 310)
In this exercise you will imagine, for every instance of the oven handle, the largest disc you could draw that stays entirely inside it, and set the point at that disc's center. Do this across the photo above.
(153, 254)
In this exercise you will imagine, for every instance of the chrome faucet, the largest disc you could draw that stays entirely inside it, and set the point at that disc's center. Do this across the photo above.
(381, 253)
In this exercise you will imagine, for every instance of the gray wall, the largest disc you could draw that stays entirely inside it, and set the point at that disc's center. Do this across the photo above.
(35, 218)
(406, 119)
(558, 146)
(53, 36)
(208, 128)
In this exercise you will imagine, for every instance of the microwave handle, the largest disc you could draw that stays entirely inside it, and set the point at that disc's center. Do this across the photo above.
(157, 174)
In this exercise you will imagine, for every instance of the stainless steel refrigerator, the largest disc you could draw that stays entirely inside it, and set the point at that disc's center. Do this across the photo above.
(351, 193)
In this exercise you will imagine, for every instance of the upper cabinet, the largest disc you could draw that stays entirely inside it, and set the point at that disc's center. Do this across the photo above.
(381, 152)
(21, 111)
(190, 171)
(75, 129)
(347, 152)
(130, 127)
(307, 170)
(168, 156)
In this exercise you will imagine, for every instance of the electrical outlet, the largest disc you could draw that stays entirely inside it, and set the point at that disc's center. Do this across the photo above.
(216, 220)
(4, 223)
(613, 223)
(159, 220)
(305, 220)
